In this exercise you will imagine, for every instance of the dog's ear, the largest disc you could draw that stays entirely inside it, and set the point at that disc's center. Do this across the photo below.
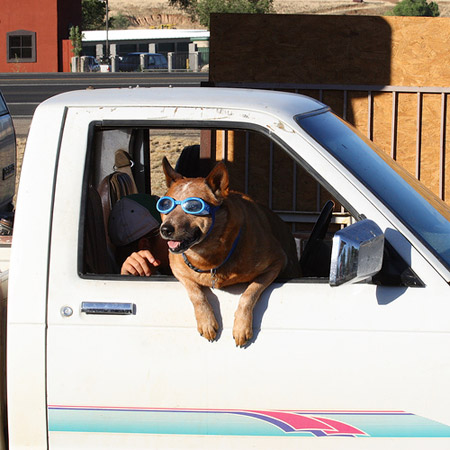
(218, 180)
(170, 173)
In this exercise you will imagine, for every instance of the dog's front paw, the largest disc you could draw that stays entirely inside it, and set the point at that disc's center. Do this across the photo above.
(242, 330)
(207, 325)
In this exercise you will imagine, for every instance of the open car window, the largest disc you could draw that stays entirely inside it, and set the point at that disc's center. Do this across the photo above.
(124, 160)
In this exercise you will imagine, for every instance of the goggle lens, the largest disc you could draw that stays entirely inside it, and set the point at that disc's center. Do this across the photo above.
(165, 204)
(193, 206)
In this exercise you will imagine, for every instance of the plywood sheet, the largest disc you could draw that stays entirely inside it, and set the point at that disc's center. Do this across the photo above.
(403, 51)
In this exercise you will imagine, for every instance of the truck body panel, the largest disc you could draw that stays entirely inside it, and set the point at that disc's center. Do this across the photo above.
(26, 343)
(359, 360)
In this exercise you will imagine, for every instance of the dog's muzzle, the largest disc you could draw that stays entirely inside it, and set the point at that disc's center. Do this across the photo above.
(175, 244)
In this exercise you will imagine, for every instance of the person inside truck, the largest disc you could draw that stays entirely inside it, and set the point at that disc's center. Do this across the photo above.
(133, 228)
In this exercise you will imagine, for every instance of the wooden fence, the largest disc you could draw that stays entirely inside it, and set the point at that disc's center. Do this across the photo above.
(409, 123)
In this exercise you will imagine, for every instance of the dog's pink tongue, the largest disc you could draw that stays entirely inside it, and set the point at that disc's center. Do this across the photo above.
(173, 244)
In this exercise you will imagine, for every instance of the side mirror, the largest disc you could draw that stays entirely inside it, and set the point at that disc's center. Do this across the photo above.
(357, 253)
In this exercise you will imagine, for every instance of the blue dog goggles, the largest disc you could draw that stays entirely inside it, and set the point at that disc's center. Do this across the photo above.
(191, 205)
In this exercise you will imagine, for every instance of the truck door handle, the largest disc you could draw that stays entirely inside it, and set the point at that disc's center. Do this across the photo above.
(108, 308)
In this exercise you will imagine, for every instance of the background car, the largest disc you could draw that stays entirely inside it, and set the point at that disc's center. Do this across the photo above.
(91, 64)
(132, 62)
(7, 159)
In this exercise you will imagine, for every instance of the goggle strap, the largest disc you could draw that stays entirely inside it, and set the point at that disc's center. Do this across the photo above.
(213, 217)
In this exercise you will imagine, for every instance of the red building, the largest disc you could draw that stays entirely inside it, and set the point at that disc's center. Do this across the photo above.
(32, 34)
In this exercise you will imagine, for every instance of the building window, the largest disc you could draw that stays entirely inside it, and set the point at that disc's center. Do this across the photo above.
(21, 46)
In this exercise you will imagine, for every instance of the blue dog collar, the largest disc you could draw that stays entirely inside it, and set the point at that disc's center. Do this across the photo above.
(214, 269)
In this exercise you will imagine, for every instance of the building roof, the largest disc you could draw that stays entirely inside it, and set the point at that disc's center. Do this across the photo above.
(150, 34)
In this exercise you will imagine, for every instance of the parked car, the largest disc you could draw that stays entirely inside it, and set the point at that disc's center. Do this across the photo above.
(91, 64)
(7, 158)
(105, 67)
(132, 62)
(105, 64)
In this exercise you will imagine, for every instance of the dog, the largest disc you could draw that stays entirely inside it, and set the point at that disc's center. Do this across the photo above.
(224, 239)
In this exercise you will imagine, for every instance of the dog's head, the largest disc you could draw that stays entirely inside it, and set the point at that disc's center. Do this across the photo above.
(186, 224)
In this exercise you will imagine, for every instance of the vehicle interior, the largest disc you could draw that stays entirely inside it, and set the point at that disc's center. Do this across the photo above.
(124, 160)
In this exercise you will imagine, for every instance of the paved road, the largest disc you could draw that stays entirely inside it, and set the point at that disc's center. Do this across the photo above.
(23, 92)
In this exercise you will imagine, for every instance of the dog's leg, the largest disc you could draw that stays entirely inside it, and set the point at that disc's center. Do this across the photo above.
(207, 324)
(243, 317)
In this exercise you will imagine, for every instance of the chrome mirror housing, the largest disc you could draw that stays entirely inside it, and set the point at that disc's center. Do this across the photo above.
(357, 253)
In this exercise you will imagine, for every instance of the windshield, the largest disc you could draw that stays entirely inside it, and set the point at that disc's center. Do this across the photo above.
(419, 209)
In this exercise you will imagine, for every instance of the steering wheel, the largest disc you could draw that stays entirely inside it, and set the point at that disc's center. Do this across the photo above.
(308, 260)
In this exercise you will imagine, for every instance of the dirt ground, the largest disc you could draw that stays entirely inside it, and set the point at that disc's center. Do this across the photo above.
(170, 145)
(20, 149)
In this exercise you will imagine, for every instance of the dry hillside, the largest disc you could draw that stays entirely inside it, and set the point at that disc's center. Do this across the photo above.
(157, 13)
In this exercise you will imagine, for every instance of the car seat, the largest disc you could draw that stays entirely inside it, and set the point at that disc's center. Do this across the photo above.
(96, 256)
(99, 252)
(116, 185)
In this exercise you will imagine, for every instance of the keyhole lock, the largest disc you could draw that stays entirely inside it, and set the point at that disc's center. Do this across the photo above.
(66, 311)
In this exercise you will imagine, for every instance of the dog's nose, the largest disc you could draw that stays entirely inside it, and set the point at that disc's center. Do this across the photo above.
(167, 230)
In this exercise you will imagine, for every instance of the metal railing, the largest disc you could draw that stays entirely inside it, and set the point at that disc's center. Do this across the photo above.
(184, 61)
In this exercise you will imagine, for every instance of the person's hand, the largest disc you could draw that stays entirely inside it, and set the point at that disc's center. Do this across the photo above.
(141, 263)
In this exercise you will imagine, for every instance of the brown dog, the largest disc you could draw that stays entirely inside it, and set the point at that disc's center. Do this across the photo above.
(237, 241)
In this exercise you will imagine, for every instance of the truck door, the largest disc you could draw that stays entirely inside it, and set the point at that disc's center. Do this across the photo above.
(126, 367)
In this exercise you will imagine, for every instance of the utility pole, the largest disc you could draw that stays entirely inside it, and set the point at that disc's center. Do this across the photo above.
(107, 28)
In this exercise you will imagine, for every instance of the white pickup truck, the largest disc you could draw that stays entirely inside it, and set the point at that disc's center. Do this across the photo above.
(352, 356)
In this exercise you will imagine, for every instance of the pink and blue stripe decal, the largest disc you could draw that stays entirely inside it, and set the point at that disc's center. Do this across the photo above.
(241, 422)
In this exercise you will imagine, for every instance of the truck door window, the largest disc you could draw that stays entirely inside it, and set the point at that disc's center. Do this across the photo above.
(127, 160)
